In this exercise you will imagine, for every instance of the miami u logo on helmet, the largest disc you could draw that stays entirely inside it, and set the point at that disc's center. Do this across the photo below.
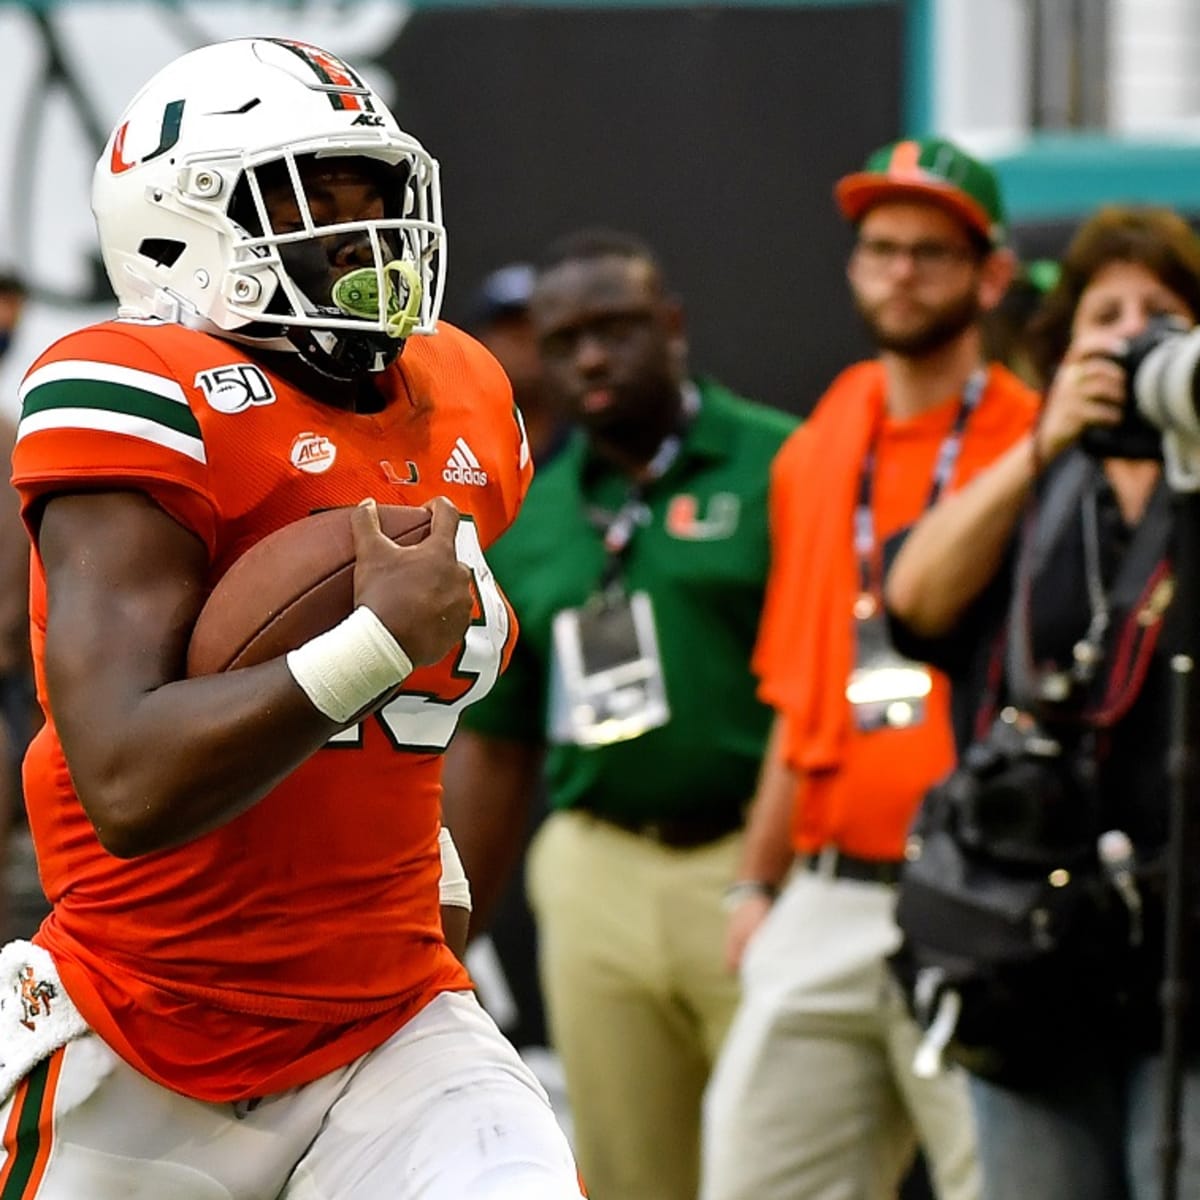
(168, 135)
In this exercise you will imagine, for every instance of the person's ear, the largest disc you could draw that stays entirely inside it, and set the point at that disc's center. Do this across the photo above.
(996, 274)
(675, 324)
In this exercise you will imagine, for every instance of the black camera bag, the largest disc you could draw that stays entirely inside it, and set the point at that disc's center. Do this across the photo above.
(1017, 949)
(1034, 952)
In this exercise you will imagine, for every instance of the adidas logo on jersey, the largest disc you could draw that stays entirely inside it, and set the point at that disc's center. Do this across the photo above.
(463, 467)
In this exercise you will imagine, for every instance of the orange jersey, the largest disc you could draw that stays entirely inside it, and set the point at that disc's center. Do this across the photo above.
(302, 933)
(859, 791)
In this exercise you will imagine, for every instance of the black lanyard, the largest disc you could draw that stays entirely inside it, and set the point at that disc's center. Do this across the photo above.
(866, 544)
(1114, 653)
(617, 529)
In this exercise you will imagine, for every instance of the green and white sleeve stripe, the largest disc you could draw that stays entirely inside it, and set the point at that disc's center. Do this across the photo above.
(78, 394)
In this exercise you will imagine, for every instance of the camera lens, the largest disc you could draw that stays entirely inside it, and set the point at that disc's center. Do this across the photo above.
(1166, 384)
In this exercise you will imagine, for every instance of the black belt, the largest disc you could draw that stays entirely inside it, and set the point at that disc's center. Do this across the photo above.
(834, 863)
(677, 833)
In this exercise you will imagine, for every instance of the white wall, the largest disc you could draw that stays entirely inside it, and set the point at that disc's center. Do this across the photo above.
(1154, 56)
(980, 66)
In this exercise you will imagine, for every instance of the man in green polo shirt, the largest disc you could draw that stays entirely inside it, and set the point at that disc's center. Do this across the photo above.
(636, 570)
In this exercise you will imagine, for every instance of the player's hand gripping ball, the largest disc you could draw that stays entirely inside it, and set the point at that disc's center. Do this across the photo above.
(292, 585)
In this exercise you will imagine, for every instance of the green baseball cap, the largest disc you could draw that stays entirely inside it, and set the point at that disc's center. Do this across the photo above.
(928, 169)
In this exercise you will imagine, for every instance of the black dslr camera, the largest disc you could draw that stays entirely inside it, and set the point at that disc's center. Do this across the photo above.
(1020, 797)
(1162, 368)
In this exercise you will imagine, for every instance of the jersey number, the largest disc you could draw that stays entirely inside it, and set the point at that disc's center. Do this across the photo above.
(424, 721)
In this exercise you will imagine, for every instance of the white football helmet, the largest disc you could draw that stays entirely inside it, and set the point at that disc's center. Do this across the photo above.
(186, 236)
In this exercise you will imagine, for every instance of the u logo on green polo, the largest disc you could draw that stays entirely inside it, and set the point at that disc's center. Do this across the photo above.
(720, 519)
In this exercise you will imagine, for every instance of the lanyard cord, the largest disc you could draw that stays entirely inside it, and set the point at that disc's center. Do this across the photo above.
(617, 529)
(1090, 650)
(865, 542)
(1139, 573)
(1028, 684)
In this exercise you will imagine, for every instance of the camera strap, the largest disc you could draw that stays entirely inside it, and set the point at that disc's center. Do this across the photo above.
(1110, 663)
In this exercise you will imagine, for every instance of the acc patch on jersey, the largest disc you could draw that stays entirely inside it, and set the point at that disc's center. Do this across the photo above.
(312, 453)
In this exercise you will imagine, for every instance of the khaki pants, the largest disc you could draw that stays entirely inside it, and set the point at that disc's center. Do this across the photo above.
(813, 1097)
(630, 939)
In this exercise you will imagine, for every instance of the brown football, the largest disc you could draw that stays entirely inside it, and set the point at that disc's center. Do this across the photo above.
(294, 584)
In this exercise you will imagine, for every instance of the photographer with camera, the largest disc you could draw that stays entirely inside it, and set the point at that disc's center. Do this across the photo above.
(1033, 900)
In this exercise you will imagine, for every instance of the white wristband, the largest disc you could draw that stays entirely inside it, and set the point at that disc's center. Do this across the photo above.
(747, 889)
(454, 891)
(343, 670)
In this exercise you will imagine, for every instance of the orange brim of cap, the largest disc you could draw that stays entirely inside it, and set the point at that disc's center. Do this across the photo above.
(857, 193)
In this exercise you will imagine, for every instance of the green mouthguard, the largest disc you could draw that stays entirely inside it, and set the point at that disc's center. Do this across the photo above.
(357, 295)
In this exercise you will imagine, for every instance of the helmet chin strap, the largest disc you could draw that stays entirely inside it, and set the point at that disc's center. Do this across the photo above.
(344, 356)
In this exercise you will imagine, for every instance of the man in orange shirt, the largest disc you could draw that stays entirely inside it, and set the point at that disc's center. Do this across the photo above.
(244, 987)
(814, 1096)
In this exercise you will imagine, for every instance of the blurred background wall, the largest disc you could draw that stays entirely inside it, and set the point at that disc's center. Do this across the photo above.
(714, 130)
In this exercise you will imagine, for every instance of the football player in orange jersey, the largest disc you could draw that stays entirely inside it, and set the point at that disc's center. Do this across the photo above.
(244, 988)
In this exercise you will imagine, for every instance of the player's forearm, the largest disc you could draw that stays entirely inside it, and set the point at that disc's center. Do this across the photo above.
(456, 924)
(156, 759)
(187, 757)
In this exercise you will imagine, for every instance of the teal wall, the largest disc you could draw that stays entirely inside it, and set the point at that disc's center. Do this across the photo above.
(1057, 176)
(918, 66)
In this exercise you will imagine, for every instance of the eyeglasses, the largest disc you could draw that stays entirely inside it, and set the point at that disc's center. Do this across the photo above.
(928, 258)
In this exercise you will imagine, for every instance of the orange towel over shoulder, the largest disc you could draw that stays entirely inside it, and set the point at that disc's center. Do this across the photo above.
(861, 790)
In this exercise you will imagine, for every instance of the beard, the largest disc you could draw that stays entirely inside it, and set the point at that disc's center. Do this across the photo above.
(940, 326)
